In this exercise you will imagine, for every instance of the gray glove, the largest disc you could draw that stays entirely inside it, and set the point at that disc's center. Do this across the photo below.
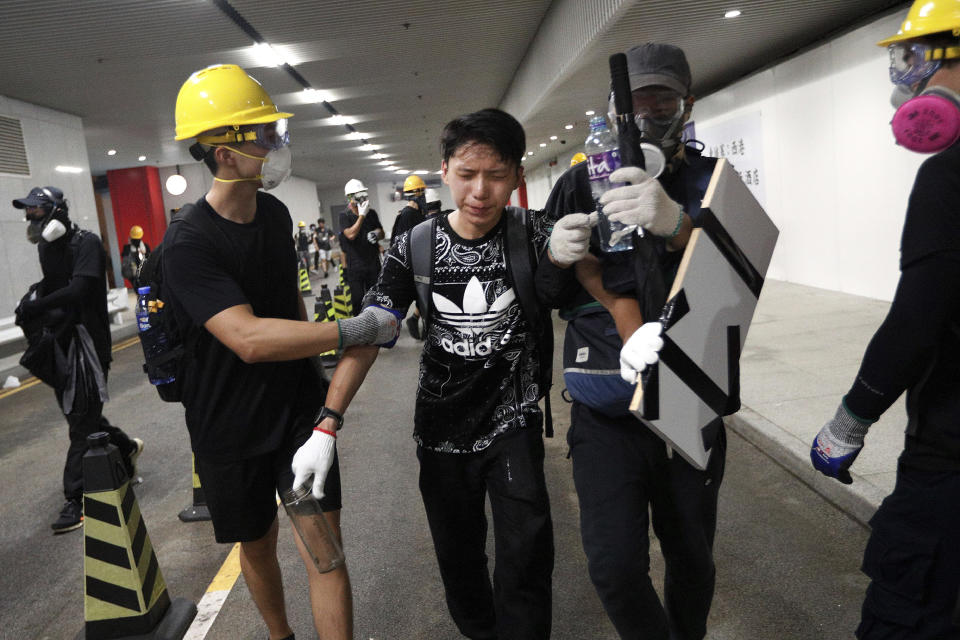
(372, 237)
(570, 238)
(375, 325)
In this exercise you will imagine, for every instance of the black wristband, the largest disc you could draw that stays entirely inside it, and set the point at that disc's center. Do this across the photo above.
(326, 412)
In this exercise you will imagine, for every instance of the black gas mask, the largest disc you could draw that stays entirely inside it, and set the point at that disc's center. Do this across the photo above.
(659, 113)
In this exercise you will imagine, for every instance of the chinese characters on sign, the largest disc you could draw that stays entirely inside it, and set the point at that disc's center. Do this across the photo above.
(740, 141)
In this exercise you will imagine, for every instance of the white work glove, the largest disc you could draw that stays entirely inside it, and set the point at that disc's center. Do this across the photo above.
(362, 208)
(570, 238)
(372, 237)
(642, 203)
(375, 325)
(641, 349)
(314, 458)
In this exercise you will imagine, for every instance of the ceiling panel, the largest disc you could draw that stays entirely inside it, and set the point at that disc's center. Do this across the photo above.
(399, 70)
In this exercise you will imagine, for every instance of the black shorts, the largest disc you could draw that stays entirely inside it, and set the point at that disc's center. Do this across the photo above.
(242, 494)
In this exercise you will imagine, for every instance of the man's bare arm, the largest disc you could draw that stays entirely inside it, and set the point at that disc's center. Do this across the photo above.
(624, 309)
(256, 339)
(347, 378)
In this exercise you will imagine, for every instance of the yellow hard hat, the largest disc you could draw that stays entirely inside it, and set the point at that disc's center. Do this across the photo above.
(136, 232)
(412, 183)
(222, 95)
(927, 17)
(301, 224)
(577, 158)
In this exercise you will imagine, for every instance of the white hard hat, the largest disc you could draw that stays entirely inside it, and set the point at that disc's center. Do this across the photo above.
(353, 186)
(431, 195)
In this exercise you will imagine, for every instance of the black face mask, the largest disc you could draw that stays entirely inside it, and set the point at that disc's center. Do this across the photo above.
(135, 242)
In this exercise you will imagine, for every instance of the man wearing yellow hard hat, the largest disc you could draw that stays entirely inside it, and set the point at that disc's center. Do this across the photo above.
(912, 556)
(251, 396)
(132, 256)
(415, 190)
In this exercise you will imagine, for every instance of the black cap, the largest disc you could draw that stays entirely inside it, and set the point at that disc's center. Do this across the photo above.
(659, 64)
(39, 197)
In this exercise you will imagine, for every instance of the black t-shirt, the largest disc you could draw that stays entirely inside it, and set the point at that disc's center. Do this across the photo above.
(479, 368)
(236, 410)
(361, 254)
(323, 238)
(303, 240)
(407, 219)
(917, 348)
(80, 254)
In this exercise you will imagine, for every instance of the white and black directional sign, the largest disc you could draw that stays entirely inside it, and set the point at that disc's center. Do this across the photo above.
(706, 318)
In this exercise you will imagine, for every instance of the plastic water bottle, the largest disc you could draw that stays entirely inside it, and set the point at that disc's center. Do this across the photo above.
(153, 340)
(603, 158)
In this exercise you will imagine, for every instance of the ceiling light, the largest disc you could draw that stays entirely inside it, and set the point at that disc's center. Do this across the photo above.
(733, 13)
(385, 163)
(314, 95)
(568, 126)
(267, 55)
(421, 172)
(112, 152)
(338, 119)
(390, 168)
(402, 172)
(355, 135)
(379, 156)
(589, 113)
(529, 153)
(369, 147)
(553, 137)
(141, 158)
(176, 184)
(65, 169)
(543, 144)
(439, 173)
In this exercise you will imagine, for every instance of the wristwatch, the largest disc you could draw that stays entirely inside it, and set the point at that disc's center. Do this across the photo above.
(327, 412)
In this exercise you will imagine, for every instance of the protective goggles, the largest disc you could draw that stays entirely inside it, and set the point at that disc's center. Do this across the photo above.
(269, 135)
(358, 197)
(912, 62)
(660, 105)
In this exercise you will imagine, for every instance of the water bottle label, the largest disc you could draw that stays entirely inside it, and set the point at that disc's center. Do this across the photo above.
(601, 165)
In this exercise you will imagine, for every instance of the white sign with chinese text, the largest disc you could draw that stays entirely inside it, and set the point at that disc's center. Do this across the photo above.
(740, 141)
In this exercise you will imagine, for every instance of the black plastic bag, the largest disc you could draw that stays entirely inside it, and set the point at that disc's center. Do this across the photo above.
(83, 383)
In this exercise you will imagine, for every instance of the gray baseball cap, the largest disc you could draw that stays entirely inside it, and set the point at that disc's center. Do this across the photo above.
(659, 64)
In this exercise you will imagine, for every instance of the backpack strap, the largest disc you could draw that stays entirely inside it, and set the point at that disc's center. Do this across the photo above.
(521, 265)
(421, 260)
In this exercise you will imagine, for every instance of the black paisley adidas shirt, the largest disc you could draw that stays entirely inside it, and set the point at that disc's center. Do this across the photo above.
(478, 369)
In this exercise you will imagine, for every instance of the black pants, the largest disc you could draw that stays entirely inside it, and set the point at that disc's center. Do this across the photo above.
(620, 469)
(360, 281)
(81, 426)
(913, 560)
(453, 486)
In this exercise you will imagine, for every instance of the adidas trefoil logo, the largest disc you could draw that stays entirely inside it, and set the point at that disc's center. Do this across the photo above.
(475, 322)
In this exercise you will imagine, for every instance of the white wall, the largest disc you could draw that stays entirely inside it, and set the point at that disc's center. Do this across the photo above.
(836, 185)
(51, 138)
(541, 179)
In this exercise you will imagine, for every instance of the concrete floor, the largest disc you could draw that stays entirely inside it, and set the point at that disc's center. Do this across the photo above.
(787, 558)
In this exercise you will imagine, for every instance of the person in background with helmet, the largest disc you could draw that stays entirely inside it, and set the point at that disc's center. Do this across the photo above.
(250, 393)
(415, 210)
(577, 158)
(303, 241)
(133, 255)
(432, 196)
(360, 237)
(322, 237)
(912, 556)
(73, 292)
(625, 475)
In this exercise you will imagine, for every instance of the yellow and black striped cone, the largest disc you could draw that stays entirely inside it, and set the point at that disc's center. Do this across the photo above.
(198, 511)
(341, 304)
(124, 591)
(342, 282)
(305, 281)
(323, 312)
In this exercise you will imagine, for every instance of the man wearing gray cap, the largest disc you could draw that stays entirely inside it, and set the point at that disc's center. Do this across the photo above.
(73, 293)
(622, 470)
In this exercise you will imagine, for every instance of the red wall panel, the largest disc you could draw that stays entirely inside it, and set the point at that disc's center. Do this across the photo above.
(137, 198)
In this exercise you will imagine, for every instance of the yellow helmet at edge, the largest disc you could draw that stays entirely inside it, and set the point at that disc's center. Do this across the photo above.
(927, 17)
(577, 158)
(220, 96)
(136, 232)
(412, 183)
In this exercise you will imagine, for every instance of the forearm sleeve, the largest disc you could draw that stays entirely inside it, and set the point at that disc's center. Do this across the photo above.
(78, 288)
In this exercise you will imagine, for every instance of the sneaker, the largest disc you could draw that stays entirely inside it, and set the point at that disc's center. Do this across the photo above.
(71, 517)
(133, 455)
(413, 325)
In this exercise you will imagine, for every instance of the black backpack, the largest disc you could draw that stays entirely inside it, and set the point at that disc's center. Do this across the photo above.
(181, 341)
(521, 265)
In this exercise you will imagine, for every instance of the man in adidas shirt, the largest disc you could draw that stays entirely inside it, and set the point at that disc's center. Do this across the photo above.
(477, 424)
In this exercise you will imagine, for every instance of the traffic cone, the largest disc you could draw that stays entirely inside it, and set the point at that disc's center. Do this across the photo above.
(305, 281)
(124, 591)
(323, 312)
(342, 282)
(197, 511)
(341, 304)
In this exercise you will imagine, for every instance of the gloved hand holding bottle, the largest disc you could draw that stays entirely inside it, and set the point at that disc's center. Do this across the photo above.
(314, 457)
(642, 203)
